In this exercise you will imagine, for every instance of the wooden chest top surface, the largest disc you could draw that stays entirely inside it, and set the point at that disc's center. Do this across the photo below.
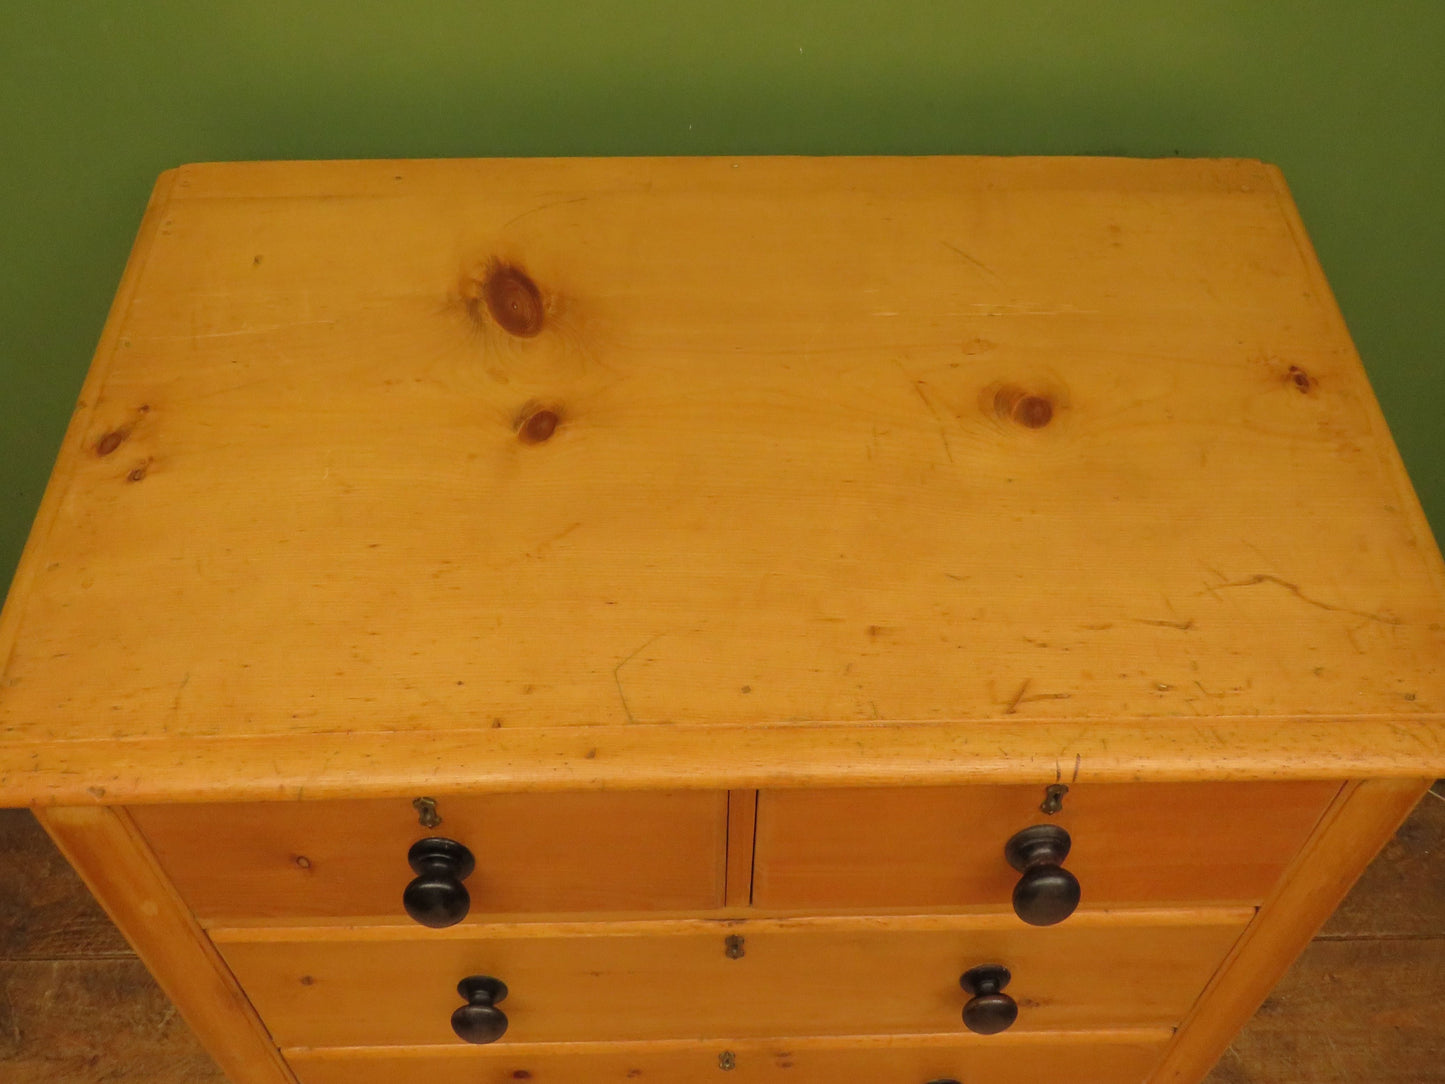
(381, 455)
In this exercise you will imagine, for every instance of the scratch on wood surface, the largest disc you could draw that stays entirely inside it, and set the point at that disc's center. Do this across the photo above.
(1216, 696)
(1350, 636)
(1020, 697)
(1294, 589)
(181, 688)
(989, 271)
(539, 551)
(263, 330)
(1182, 626)
(617, 673)
(544, 207)
(918, 386)
(1013, 705)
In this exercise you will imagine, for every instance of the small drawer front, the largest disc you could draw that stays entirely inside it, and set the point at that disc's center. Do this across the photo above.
(1102, 1058)
(1131, 844)
(582, 852)
(635, 981)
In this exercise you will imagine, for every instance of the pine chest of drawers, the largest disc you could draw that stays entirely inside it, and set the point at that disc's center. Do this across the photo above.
(736, 620)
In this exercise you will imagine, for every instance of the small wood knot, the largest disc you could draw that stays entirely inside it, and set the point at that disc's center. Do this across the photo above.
(1027, 409)
(538, 426)
(137, 474)
(1299, 378)
(513, 300)
(110, 442)
(1034, 411)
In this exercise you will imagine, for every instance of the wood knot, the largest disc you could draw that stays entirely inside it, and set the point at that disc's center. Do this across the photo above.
(111, 441)
(537, 424)
(1299, 378)
(1030, 410)
(513, 300)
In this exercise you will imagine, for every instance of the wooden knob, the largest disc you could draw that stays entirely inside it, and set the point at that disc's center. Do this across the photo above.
(1046, 893)
(479, 1020)
(437, 897)
(989, 1010)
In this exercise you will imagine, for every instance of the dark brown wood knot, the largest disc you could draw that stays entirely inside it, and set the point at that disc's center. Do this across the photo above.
(537, 426)
(514, 300)
(111, 441)
(1028, 409)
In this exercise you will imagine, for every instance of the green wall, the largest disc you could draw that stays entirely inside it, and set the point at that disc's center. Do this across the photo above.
(97, 98)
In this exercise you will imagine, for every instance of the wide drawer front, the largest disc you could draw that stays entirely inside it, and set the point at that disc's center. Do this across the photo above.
(1123, 1057)
(1145, 843)
(565, 852)
(687, 979)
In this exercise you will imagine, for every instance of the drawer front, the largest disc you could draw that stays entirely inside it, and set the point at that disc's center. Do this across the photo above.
(639, 981)
(584, 852)
(1154, 843)
(1102, 1058)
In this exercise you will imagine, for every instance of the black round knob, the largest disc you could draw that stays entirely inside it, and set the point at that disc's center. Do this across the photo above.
(989, 1010)
(437, 897)
(1046, 893)
(479, 1020)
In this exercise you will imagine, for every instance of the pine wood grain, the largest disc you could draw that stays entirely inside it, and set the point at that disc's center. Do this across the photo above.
(1120, 1057)
(829, 441)
(278, 768)
(1132, 844)
(634, 981)
(579, 852)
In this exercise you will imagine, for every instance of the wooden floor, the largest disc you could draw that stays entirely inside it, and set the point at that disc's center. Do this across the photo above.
(1366, 1003)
